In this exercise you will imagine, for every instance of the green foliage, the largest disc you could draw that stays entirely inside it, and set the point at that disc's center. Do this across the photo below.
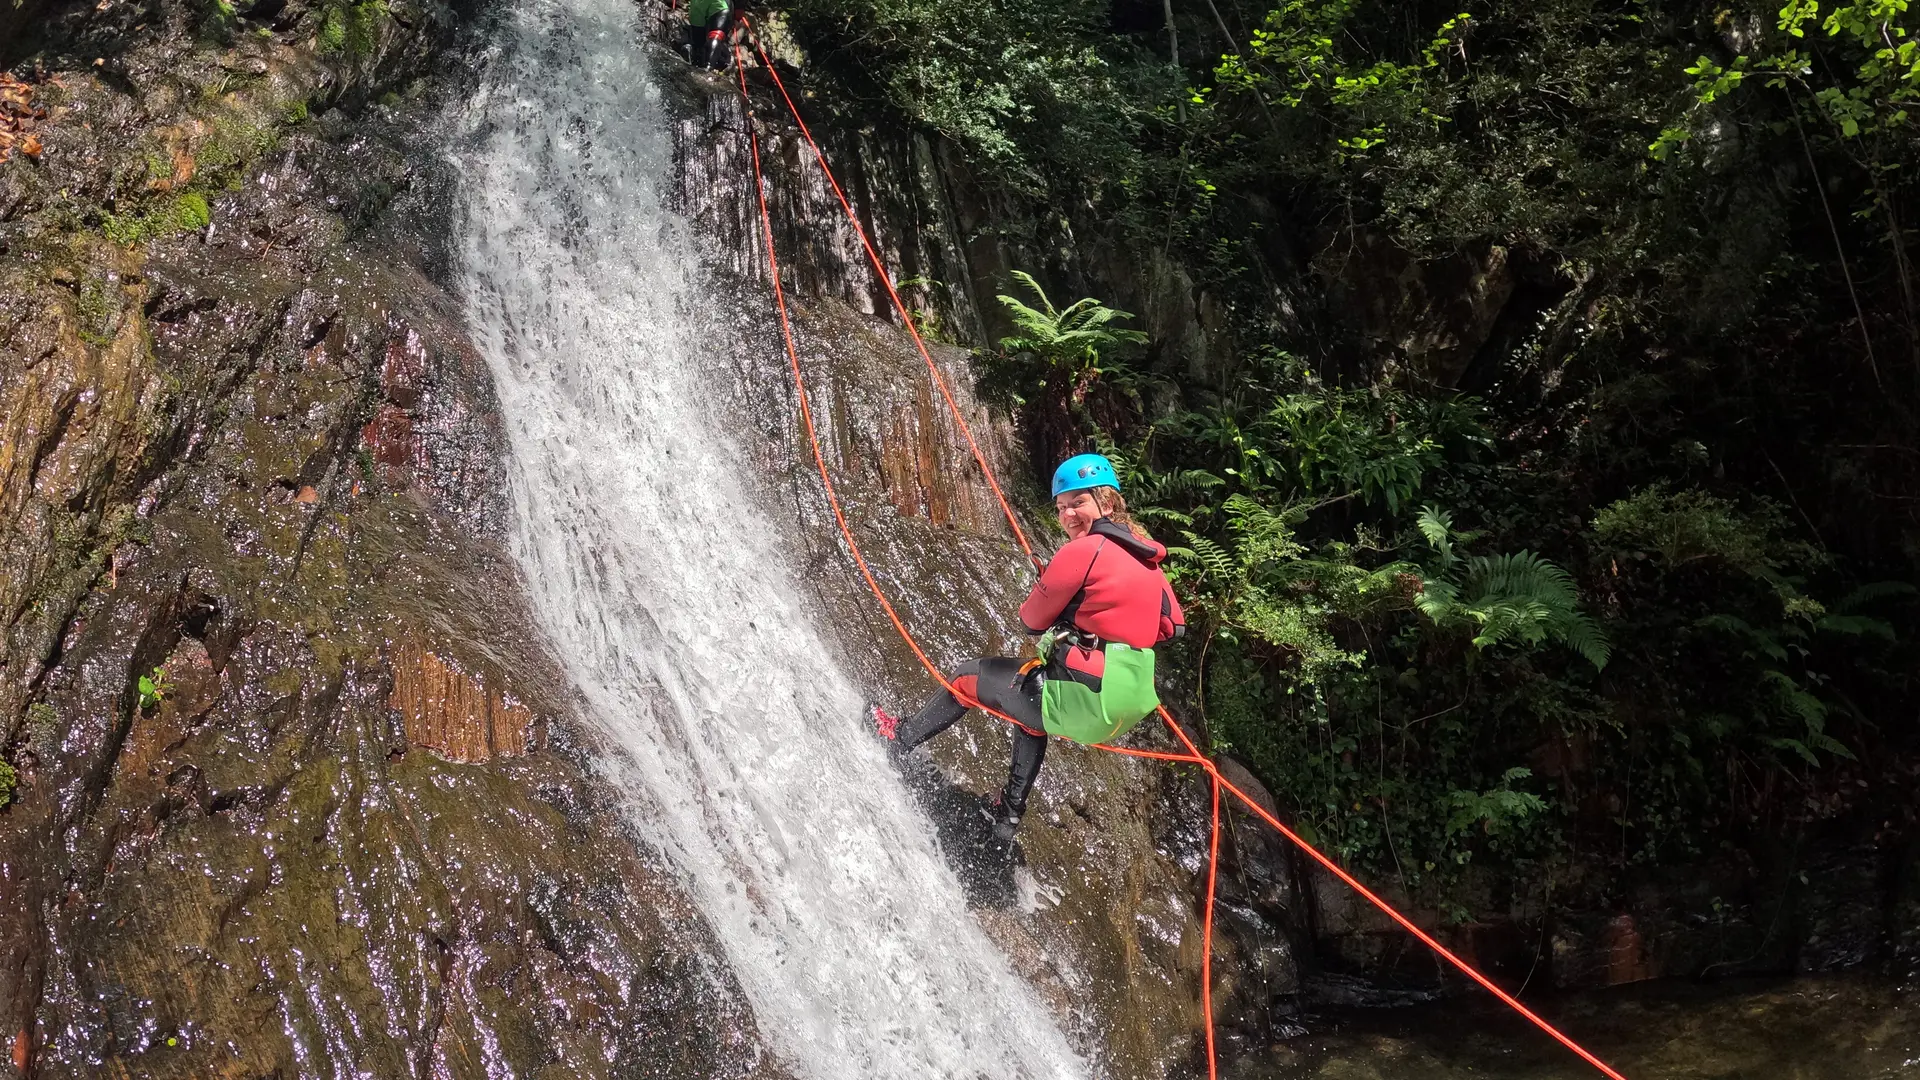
(352, 27)
(1319, 442)
(153, 688)
(1257, 582)
(184, 214)
(1862, 82)
(1298, 615)
(1345, 442)
(1436, 528)
(8, 780)
(1784, 703)
(1295, 61)
(1682, 526)
(1074, 339)
(1027, 88)
(1497, 811)
(1058, 358)
(1518, 598)
(1691, 427)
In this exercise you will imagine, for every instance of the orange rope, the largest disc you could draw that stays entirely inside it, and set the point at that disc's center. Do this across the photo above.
(1206, 934)
(1425, 938)
(813, 436)
(1193, 755)
(880, 269)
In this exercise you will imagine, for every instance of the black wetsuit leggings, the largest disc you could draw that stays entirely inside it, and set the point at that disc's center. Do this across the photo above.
(704, 53)
(995, 682)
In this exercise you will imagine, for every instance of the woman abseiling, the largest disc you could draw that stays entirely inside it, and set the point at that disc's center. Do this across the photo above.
(1101, 606)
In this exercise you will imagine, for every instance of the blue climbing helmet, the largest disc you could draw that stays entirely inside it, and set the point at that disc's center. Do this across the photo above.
(1084, 471)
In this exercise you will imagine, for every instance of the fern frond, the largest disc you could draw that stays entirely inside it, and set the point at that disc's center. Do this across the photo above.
(1161, 513)
(1437, 526)
(1214, 560)
(1726, 624)
(1033, 286)
(1519, 574)
(1160, 486)
(1085, 313)
(1797, 747)
(1855, 624)
(1439, 601)
(1581, 634)
(1516, 598)
(1248, 513)
(1823, 741)
(1874, 590)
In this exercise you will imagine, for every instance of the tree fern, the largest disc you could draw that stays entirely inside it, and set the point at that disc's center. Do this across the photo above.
(1516, 598)
(1074, 337)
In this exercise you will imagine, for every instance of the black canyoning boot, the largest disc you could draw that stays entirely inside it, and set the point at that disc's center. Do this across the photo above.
(1004, 816)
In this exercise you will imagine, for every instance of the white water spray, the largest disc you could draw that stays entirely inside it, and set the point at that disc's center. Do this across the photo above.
(669, 603)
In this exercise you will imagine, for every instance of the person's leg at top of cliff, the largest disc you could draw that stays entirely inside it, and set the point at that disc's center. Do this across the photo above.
(705, 34)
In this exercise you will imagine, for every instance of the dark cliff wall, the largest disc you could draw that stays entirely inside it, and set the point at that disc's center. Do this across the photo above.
(294, 785)
(1392, 317)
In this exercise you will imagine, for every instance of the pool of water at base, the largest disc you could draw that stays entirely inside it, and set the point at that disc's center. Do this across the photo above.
(1807, 1028)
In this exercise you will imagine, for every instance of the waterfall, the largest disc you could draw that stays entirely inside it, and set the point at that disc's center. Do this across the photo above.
(740, 740)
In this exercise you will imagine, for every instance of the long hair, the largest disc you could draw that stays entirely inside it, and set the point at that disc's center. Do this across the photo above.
(1111, 503)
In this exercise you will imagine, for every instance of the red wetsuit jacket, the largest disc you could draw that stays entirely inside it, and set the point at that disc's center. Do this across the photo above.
(1109, 584)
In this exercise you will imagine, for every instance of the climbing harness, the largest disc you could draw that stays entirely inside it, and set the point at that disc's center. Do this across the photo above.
(1192, 756)
(1095, 715)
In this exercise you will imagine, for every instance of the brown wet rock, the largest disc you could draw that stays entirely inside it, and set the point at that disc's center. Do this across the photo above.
(452, 713)
(346, 823)
(87, 412)
(253, 868)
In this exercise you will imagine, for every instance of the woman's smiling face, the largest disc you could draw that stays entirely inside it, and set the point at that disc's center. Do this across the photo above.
(1077, 511)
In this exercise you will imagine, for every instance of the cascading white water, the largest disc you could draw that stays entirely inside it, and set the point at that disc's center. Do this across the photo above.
(668, 601)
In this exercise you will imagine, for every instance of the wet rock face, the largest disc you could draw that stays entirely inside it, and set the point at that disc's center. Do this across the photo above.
(299, 789)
